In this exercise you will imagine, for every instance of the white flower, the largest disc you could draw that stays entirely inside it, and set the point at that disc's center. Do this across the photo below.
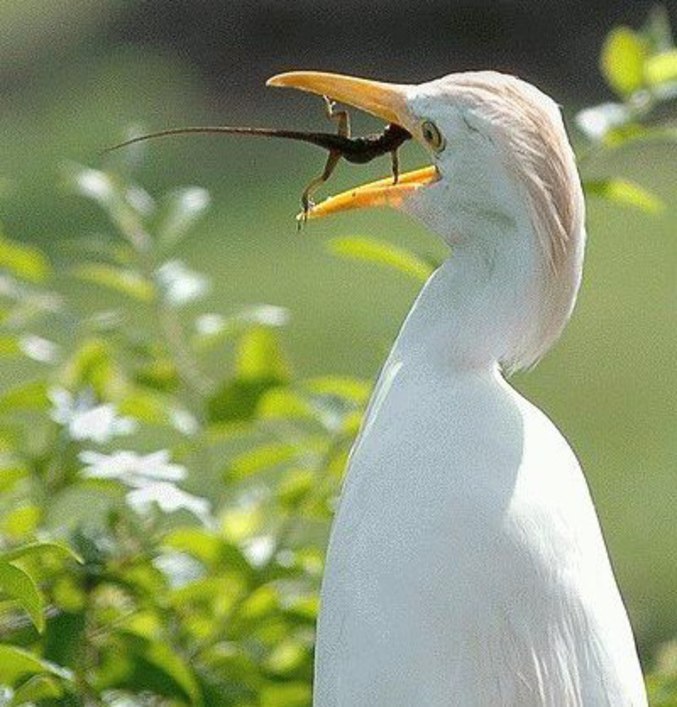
(193, 199)
(39, 349)
(210, 324)
(169, 498)
(180, 284)
(184, 421)
(94, 184)
(86, 421)
(266, 315)
(100, 424)
(179, 568)
(151, 479)
(131, 468)
(259, 550)
(140, 200)
(597, 121)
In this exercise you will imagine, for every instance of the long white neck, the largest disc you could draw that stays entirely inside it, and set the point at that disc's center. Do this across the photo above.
(481, 307)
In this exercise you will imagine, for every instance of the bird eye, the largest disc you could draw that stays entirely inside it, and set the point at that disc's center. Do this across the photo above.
(433, 136)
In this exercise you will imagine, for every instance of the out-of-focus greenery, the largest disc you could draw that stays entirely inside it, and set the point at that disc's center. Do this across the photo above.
(167, 480)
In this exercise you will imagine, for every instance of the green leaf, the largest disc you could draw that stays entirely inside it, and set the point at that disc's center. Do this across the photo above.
(23, 260)
(635, 134)
(259, 356)
(21, 521)
(9, 346)
(214, 552)
(147, 407)
(65, 637)
(294, 486)
(285, 657)
(39, 548)
(159, 669)
(354, 390)
(27, 396)
(661, 68)
(284, 403)
(287, 694)
(381, 253)
(263, 457)
(624, 192)
(127, 282)
(237, 400)
(19, 585)
(160, 374)
(11, 471)
(622, 60)
(179, 210)
(16, 663)
(39, 687)
(92, 365)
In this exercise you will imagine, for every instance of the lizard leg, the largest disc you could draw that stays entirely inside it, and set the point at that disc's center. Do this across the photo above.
(395, 160)
(329, 167)
(341, 116)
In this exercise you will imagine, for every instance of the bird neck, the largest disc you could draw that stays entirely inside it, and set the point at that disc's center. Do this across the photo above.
(482, 307)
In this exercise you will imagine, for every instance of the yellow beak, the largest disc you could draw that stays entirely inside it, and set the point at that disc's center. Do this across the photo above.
(384, 100)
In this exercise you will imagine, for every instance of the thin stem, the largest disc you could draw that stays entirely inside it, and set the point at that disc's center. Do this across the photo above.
(195, 384)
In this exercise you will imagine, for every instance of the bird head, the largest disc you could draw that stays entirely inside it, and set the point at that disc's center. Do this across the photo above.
(503, 185)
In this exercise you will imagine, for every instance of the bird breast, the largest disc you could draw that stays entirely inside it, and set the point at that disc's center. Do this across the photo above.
(460, 565)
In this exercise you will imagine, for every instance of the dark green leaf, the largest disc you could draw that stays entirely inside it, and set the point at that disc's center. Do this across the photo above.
(64, 637)
(157, 668)
(237, 400)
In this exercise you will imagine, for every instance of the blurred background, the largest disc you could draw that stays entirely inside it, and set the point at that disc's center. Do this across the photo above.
(76, 75)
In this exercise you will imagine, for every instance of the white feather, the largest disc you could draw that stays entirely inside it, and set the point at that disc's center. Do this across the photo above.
(466, 564)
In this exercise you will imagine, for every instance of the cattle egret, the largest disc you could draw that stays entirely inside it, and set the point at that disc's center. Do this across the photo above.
(466, 564)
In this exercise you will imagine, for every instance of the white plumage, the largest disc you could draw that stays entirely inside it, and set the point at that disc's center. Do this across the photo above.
(466, 565)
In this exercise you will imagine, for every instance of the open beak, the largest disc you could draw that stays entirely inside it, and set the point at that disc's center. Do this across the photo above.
(384, 100)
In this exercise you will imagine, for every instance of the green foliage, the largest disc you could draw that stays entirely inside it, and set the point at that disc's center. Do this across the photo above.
(116, 580)
(625, 192)
(623, 59)
(119, 582)
(641, 68)
(383, 253)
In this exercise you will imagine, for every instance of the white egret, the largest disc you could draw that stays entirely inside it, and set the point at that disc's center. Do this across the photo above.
(466, 564)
